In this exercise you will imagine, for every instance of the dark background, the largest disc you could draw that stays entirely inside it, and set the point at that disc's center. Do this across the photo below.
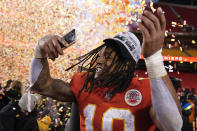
(182, 2)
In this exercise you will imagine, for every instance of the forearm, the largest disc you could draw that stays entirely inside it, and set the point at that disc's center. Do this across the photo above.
(39, 72)
(164, 99)
(42, 83)
(40, 79)
(57, 89)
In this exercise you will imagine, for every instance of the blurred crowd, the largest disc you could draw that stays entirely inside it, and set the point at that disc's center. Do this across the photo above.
(188, 100)
(22, 110)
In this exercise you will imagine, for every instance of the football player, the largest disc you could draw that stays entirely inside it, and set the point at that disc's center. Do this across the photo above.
(108, 95)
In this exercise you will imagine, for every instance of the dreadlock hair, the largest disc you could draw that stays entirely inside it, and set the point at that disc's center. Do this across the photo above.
(116, 80)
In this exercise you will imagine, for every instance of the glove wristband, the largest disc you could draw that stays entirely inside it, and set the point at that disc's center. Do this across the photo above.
(155, 66)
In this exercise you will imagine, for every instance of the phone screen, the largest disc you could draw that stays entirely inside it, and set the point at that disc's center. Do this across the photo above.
(70, 38)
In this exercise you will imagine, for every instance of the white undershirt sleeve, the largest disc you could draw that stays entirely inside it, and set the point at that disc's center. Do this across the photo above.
(164, 106)
(35, 69)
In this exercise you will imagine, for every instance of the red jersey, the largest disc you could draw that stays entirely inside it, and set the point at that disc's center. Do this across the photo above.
(126, 111)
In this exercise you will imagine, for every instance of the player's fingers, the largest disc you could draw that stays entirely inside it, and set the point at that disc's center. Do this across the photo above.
(53, 51)
(148, 24)
(60, 39)
(144, 30)
(57, 46)
(51, 57)
(153, 18)
(162, 18)
(47, 51)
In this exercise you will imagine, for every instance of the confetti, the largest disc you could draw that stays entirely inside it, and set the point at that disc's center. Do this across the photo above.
(166, 33)
(173, 36)
(184, 22)
(24, 22)
(181, 49)
(169, 46)
(173, 23)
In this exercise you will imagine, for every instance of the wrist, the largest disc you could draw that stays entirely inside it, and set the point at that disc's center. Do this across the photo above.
(155, 66)
(38, 54)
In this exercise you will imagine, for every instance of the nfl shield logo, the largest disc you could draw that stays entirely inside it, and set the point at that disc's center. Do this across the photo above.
(133, 97)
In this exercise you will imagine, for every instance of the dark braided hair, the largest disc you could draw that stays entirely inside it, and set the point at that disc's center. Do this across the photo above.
(116, 80)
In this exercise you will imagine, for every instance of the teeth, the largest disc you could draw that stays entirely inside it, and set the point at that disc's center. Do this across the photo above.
(98, 69)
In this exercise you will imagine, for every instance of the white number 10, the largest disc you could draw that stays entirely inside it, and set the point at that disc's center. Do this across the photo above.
(108, 117)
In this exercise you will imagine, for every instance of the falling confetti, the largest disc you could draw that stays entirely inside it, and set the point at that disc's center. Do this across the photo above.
(24, 22)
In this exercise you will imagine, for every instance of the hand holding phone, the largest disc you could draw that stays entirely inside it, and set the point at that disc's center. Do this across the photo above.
(52, 45)
(70, 38)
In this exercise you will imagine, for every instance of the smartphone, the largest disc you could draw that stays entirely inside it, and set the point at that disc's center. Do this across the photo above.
(70, 38)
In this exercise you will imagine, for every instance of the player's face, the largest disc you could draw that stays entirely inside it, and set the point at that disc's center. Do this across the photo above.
(104, 60)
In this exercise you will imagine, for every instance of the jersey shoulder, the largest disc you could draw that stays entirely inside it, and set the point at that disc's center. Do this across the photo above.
(77, 82)
(139, 82)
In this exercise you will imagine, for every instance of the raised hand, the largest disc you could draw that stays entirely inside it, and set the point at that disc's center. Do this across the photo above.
(153, 30)
(49, 46)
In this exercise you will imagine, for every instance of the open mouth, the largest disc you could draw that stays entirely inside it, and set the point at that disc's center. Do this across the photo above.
(98, 69)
